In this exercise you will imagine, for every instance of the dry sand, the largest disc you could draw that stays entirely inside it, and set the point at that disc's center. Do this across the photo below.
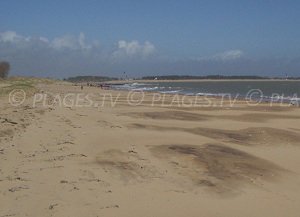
(147, 160)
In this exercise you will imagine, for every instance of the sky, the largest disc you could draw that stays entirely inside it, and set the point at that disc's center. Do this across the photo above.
(62, 38)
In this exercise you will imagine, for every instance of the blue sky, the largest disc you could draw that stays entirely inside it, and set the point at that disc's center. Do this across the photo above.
(63, 38)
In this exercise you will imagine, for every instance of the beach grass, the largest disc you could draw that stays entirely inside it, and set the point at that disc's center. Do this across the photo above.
(21, 83)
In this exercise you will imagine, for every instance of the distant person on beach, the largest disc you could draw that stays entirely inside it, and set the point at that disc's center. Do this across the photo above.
(81, 87)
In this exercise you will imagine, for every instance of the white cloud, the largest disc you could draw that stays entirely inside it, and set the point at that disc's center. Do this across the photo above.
(124, 49)
(19, 40)
(65, 42)
(148, 48)
(44, 39)
(81, 40)
(10, 36)
(134, 48)
(70, 42)
(229, 55)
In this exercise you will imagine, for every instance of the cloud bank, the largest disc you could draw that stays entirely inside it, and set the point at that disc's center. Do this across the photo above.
(133, 49)
(229, 55)
(70, 55)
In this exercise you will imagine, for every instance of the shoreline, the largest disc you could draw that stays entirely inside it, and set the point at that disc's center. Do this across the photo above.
(292, 101)
(224, 97)
(201, 80)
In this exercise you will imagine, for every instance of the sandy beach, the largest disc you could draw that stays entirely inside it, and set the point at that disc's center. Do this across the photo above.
(116, 155)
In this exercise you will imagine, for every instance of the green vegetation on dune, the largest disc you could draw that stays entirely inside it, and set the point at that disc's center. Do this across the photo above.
(7, 86)
(26, 84)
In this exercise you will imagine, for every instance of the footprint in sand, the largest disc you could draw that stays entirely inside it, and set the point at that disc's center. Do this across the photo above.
(127, 166)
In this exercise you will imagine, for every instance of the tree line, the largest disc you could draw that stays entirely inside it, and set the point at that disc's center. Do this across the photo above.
(89, 79)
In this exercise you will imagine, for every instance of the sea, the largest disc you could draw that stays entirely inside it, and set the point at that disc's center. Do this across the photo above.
(275, 90)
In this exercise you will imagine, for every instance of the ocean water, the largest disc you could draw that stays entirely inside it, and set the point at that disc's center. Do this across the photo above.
(274, 89)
